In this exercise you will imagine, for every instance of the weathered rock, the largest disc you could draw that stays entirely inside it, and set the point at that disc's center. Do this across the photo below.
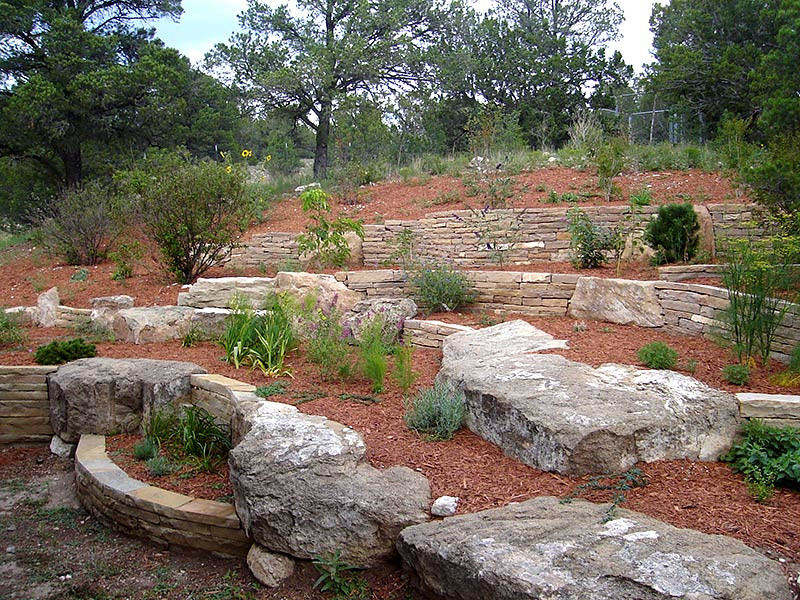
(325, 288)
(49, 311)
(112, 302)
(107, 395)
(706, 241)
(270, 569)
(61, 448)
(394, 312)
(218, 292)
(303, 488)
(617, 301)
(309, 186)
(444, 506)
(152, 324)
(24, 315)
(210, 322)
(544, 549)
(564, 416)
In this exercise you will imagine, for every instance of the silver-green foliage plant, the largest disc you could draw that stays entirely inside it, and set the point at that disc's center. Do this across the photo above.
(437, 412)
(438, 286)
(324, 239)
(761, 279)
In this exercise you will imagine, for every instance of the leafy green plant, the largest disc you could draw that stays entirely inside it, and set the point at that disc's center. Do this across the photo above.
(161, 425)
(324, 239)
(327, 346)
(81, 274)
(437, 412)
(191, 337)
(159, 466)
(767, 456)
(610, 160)
(497, 233)
(673, 234)
(737, 374)
(658, 355)
(125, 257)
(588, 241)
(641, 197)
(336, 577)
(58, 352)
(200, 436)
(10, 332)
(403, 373)
(617, 484)
(276, 388)
(440, 287)
(145, 449)
(404, 248)
(372, 348)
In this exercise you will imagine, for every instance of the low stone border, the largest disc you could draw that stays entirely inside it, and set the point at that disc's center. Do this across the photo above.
(681, 272)
(160, 516)
(24, 405)
(430, 334)
(777, 410)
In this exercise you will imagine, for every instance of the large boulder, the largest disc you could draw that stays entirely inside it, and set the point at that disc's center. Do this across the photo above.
(559, 415)
(544, 549)
(152, 324)
(617, 301)
(303, 488)
(104, 308)
(108, 395)
(48, 304)
(393, 311)
(218, 292)
(327, 291)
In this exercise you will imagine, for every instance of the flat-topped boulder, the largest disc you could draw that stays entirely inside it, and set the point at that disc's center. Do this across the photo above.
(559, 415)
(303, 487)
(218, 292)
(542, 549)
(108, 395)
(617, 301)
(152, 324)
(393, 312)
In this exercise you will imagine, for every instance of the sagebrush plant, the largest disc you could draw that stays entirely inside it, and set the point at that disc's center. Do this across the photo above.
(437, 412)
(324, 240)
(737, 374)
(81, 224)
(58, 352)
(589, 242)
(195, 212)
(438, 286)
(159, 466)
(673, 234)
(11, 333)
(767, 456)
(658, 355)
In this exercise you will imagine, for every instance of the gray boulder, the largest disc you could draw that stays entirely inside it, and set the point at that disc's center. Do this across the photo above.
(327, 291)
(105, 307)
(108, 395)
(218, 292)
(559, 415)
(394, 312)
(543, 549)
(49, 308)
(617, 301)
(270, 569)
(303, 488)
(152, 324)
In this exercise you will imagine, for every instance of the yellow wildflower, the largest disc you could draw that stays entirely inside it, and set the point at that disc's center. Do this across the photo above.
(228, 169)
(269, 157)
(247, 153)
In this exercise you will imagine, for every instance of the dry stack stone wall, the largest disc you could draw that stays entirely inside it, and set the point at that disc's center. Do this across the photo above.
(24, 405)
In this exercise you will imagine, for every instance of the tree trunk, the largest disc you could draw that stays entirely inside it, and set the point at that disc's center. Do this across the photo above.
(73, 165)
(323, 133)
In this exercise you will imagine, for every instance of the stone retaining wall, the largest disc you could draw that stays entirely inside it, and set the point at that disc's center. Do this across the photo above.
(683, 272)
(24, 405)
(524, 236)
(776, 410)
(163, 517)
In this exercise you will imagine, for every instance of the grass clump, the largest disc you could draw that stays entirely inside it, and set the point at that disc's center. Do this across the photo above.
(327, 346)
(440, 287)
(58, 352)
(436, 413)
(145, 449)
(403, 374)
(159, 466)
(10, 332)
(658, 355)
(736, 374)
(373, 347)
(767, 456)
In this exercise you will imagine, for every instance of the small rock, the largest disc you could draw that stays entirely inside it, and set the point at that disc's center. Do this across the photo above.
(61, 448)
(444, 506)
(310, 186)
(268, 568)
(11, 550)
(11, 528)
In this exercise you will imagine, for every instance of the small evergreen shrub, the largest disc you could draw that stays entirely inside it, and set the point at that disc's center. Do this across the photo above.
(440, 287)
(588, 241)
(58, 352)
(145, 449)
(658, 355)
(736, 374)
(436, 412)
(673, 234)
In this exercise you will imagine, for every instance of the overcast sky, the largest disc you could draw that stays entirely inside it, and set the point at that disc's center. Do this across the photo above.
(207, 22)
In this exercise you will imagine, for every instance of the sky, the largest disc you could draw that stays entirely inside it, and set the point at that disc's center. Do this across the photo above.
(204, 23)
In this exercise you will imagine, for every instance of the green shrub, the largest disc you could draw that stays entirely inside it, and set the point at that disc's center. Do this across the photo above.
(194, 212)
(403, 373)
(276, 388)
(10, 332)
(673, 234)
(794, 360)
(325, 240)
(125, 257)
(775, 180)
(436, 412)
(160, 466)
(767, 456)
(588, 241)
(327, 347)
(336, 577)
(737, 374)
(657, 355)
(372, 348)
(58, 352)
(440, 287)
(610, 160)
(145, 449)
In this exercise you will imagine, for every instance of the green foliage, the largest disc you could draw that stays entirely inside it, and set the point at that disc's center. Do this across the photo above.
(673, 234)
(658, 355)
(497, 233)
(794, 359)
(610, 162)
(325, 240)
(327, 345)
(641, 197)
(159, 466)
(775, 180)
(440, 287)
(491, 186)
(767, 456)
(437, 412)
(10, 332)
(403, 372)
(336, 577)
(58, 352)
(757, 275)
(372, 348)
(588, 241)
(125, 256)
(737, 374)
(617, 484)
(191, 337)
(161, 425)
(276, 388)
(404, 248)
(198, 435)
(194, 212)
(81, 224)
(259, 339)
(80, 275)
(145, 449)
